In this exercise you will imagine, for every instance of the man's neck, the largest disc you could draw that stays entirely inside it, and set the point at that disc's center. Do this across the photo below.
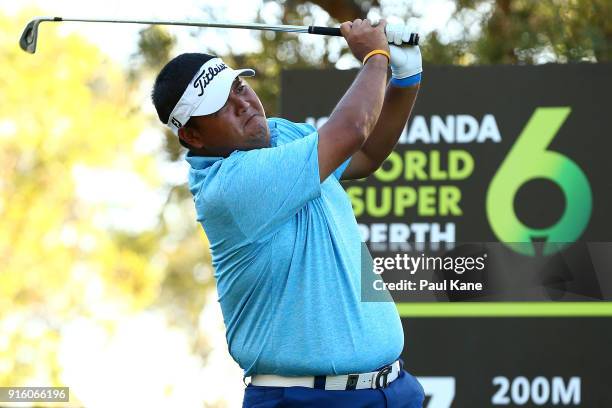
(205, 152)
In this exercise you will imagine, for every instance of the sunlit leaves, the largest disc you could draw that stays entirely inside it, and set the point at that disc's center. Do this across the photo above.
(65, 106)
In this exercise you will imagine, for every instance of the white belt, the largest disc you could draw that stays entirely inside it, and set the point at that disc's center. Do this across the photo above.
(374, 379)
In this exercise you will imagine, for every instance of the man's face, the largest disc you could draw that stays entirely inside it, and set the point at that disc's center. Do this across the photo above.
(239, 125)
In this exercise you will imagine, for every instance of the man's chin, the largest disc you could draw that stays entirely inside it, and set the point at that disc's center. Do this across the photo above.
(262, 137)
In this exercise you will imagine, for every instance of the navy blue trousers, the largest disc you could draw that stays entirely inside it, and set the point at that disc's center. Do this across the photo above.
(404, 392)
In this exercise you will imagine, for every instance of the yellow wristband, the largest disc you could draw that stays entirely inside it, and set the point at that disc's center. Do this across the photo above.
(374, 52)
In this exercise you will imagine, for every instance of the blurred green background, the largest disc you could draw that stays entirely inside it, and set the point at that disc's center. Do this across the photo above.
(105, 278)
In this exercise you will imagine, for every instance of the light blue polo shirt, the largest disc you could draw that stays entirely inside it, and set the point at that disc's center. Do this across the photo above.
(286, 253)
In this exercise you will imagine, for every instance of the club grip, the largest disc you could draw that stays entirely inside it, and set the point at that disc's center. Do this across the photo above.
(414, 37)
(324, 31)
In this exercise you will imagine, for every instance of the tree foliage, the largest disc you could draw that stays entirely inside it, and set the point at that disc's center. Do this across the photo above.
(66, 110)
(528, 32)
(50, 252)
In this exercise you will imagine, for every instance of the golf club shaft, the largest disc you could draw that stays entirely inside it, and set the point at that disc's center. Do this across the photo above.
(251, 26)
(29, 37)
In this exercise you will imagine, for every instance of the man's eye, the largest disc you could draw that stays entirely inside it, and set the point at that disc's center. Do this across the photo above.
(240, 88)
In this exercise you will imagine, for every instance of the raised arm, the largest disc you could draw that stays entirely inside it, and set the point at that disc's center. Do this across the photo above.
(357, 113)
(399, 100)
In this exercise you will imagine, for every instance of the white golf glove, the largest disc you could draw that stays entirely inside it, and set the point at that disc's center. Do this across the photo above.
(406, 61)
(397, 33)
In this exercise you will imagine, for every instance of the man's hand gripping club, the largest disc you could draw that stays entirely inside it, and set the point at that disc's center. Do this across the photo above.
(406, 61)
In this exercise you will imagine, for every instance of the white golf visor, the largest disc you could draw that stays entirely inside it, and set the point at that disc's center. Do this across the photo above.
(206, 93)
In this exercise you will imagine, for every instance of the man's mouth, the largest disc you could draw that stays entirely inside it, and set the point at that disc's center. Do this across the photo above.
(249, 119)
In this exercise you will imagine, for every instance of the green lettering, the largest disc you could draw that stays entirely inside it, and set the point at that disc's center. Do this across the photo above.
(415, 165)
(394, 172)
(405, 197)
(448, 201)
(456, 159)
(372, 206)
(435, 172)
(427, 201)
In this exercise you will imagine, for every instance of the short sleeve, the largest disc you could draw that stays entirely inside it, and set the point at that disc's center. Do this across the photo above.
(263, 188)
(340, 170)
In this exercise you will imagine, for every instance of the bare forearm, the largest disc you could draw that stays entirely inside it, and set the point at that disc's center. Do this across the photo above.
(396, 109)
(358, 111)
(362, 104)
(354, 117)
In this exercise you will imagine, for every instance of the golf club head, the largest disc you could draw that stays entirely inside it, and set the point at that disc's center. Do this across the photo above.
(28, 39)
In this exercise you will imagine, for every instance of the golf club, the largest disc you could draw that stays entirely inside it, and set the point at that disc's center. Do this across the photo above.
(28, 39)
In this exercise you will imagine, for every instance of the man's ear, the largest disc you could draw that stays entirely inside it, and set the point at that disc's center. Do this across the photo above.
(191, 136)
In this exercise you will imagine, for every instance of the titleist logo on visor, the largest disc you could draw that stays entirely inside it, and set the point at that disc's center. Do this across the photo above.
(206, 76)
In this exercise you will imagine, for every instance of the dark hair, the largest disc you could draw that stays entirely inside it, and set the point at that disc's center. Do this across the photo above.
(172, 81)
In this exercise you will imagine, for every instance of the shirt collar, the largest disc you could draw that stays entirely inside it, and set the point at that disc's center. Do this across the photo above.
(200, 162)
(203, 162)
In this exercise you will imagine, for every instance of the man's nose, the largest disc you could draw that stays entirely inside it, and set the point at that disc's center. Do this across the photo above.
(241, 104)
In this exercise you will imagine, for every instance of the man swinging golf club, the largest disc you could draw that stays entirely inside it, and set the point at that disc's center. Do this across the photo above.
(283, 237)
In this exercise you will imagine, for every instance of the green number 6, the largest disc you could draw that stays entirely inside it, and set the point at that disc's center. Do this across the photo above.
(528, 159)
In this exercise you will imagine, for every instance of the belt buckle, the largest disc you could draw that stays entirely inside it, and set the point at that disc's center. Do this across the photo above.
(382, 375)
